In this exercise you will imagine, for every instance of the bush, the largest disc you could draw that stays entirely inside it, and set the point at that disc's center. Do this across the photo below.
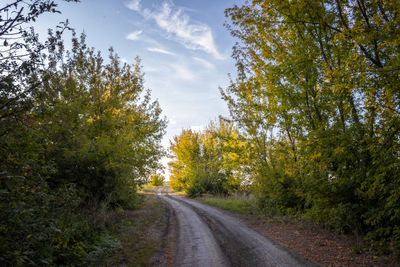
(38, 225)
(157, 180)
(49, 227)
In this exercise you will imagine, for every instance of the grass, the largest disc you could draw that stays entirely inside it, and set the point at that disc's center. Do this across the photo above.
(177, 193)
(140, 233)
(151, 189)
(241, 204)
(148, 189)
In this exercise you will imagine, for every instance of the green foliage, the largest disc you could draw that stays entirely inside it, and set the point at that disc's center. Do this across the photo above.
(101, 128)
(46, 227)
(74, 132)
(157, 180)
(317, 99)
(206, 162)
(104, 247)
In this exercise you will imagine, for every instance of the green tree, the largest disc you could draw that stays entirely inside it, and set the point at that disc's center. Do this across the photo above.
(74, 131)
(157, 180)
(317, 98)
(20, 55)
(207, 161)
(102, 129)
(186, 157)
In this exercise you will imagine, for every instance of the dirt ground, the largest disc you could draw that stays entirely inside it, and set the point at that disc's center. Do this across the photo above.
(150, 238)
(315, 244)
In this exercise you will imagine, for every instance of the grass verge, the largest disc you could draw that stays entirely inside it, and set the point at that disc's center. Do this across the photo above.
(244, 205)
(141, 233)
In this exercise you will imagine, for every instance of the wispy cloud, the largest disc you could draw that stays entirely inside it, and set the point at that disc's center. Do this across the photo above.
(193, 36)
(134, 35)
(178, 25)
(183, 72)
(133, 4)
(160, 50)
(204, 62)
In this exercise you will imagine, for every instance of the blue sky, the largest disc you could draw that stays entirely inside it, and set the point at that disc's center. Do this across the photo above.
(184, 47)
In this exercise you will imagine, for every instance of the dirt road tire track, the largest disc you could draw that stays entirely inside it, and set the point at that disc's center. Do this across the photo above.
(196, 243)
(243, 245)
(209, 237)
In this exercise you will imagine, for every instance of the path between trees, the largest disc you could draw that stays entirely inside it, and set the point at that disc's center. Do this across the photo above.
(207, 236)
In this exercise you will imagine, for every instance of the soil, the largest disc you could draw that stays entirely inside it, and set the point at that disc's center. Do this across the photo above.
(306, 242)
(243, 245)
(206, 236)
(314, 243)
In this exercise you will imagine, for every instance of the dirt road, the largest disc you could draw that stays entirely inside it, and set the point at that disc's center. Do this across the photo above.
(210, 237)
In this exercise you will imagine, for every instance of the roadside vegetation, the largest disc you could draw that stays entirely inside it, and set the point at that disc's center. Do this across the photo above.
(314, 131)
(236, 203)
(78, 136)
(156, 180)
(143, 235)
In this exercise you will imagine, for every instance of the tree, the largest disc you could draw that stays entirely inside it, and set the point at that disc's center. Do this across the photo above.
(157, 180)
(208, 161)
(186, 154)
(317, 98)
(74, 132)
(102, 129)
(20, 55)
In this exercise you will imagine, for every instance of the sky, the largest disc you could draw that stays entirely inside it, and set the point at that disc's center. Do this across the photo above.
(184, 48)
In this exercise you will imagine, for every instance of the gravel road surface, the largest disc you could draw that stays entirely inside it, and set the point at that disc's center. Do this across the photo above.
(209, 237)
(196, 243)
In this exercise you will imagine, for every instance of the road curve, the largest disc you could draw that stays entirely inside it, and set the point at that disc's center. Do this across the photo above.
(196, 243)
(209, 237)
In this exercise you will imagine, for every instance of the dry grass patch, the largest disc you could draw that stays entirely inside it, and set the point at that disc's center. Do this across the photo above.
(142, 233)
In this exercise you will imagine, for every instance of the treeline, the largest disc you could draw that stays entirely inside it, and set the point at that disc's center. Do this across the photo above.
(207, 161)
(317, 102)
(78, 135)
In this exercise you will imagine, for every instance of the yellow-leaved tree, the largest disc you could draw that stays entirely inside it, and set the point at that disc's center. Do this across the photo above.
(317, 97)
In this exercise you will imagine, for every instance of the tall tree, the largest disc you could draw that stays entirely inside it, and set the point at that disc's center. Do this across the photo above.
(102, 129)
(318, 81)
(74, 131)
(208, 161)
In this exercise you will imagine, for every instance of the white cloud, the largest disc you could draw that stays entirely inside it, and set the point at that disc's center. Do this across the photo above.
(172, 121)
(183, 72)
(204, 62)
(134, 35)
(160, 50)
(177, 24)
(133, 5)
